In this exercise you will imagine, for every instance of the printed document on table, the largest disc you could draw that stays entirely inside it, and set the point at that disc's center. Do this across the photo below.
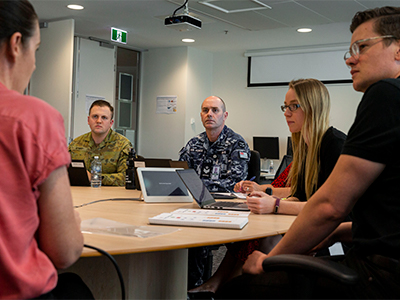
(203, 218)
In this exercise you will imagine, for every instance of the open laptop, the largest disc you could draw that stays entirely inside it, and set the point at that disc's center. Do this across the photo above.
(77, 173)
(179, 164)
(162, 185)
(201, 194)
(157, 162)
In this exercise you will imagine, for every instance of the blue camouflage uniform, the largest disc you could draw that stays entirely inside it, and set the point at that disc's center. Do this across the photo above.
(221, 164)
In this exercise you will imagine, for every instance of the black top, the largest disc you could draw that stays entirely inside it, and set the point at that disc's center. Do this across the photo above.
(331, 148)
(375, 136)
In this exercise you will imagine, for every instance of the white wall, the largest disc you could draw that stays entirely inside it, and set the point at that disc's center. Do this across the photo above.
(164, 73)
(200, 83)
(95, 76)
(184, 72)
(193, 75)
(52, 79)
(256, 111)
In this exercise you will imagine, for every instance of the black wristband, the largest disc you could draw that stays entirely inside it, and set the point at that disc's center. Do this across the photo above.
(268, 191)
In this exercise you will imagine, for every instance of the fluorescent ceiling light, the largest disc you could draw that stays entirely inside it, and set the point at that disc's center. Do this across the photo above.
(75, 6)
(251, 7)
(304, 30)
(188, 40)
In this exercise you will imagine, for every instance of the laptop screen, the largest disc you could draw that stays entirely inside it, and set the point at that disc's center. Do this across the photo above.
(157, 162)
(196, 187)
(163, 183)
(77, 173)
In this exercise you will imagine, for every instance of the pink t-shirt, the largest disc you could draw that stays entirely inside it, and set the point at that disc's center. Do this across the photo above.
(32, 145)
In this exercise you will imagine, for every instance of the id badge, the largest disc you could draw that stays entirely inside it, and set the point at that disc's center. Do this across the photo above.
(215, 172)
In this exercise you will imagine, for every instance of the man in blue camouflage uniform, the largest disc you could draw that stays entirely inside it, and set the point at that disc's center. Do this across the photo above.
(220, 164)
(220, 157)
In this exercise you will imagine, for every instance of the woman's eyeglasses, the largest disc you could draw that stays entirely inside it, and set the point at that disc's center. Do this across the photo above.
(292, 107)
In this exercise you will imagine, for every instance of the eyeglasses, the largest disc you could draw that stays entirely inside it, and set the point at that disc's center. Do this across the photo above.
(292, 107)
(356, 48)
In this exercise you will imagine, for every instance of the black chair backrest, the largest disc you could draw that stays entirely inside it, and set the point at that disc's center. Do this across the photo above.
(286, 160)
(254, 166)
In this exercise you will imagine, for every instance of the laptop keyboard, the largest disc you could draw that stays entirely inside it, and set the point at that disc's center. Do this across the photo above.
(226, 203)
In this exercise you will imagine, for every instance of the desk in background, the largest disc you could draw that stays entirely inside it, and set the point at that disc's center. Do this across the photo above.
(266, 177)
(156, 267)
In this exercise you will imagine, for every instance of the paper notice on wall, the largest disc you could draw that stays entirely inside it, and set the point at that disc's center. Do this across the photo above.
(166, 104)
(90, 99)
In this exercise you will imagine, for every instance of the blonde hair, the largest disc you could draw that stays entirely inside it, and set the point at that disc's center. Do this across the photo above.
(314, 100)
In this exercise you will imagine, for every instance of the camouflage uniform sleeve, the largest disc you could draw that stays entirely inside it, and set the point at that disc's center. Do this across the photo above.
(184, 155)
(118, 179)
(238, 165)
(78, 151)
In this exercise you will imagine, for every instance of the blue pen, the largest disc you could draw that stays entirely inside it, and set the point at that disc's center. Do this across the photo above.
(251, 179)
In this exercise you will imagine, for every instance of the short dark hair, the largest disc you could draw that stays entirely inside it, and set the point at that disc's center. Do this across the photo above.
(102, 103)
(387, 21)
(17, 16)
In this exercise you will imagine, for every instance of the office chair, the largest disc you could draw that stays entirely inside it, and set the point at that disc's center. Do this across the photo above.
(254, 166)
(304, 270)
(286, 160)
(254, 170)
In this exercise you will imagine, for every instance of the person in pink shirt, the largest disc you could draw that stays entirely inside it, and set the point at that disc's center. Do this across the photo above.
(39, 229)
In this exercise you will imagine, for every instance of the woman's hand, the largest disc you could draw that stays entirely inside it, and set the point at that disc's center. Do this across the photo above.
(260, 203)
(247, 186)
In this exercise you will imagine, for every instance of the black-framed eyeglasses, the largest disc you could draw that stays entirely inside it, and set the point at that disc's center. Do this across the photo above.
(292, 107)
(356, 48)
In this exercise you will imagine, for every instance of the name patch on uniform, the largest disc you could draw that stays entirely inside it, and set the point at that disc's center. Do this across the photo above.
(243, 154)
(215, 172)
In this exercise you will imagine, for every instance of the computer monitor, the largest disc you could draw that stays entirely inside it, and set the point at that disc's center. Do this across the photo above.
(289, 148)
(267, 146)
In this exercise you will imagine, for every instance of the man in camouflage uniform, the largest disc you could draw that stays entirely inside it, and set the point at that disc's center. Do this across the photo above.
(111, 147)
(220, 157)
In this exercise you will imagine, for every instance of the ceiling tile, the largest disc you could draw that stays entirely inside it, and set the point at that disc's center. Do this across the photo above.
(337, 10)
(294, 15)
(234, 6)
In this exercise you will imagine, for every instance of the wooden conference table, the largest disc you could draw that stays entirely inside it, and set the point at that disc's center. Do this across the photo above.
(153, 267)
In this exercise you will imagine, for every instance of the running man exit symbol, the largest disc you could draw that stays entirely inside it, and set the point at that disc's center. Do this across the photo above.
(118, 35)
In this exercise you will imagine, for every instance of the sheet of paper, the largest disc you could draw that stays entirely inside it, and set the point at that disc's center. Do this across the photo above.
(240, 195)
(166, 104)
(110, 227)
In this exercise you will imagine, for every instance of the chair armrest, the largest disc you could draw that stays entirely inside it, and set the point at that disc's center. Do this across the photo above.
(311, 265)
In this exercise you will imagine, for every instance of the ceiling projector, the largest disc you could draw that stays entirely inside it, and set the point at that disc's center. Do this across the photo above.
(182, 22)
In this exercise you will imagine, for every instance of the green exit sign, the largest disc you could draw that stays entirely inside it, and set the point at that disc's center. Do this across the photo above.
(118, 35)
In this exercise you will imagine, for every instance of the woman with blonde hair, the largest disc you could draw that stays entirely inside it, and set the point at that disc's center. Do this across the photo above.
(316, 148)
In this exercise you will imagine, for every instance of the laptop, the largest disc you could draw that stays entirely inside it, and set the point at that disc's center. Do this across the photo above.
(201, 194)
(155, 163)
(162, 185)
(179, 164)
(77, 173)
